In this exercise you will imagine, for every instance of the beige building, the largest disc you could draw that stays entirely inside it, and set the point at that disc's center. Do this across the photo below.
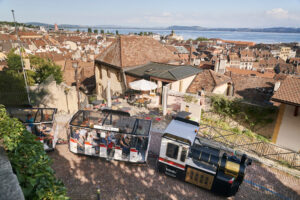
(285, 53)
(287, 128)
(178, 77)
(126, 53)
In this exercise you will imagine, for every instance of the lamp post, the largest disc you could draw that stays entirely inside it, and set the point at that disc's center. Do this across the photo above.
(22, 63)
(75, 66)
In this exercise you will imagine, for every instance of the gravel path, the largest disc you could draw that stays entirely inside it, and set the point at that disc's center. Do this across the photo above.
(83, 175)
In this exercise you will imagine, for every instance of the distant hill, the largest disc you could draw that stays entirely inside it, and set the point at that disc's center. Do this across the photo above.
(272, 29)
(177, 27)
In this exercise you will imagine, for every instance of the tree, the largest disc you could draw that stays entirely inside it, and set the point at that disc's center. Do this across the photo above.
(77, 31)
(96, 31)
(117, 32)
(14, 62)
(89, 30)
(201, 39)
(172, 32)
(43, 72)
(102, 31)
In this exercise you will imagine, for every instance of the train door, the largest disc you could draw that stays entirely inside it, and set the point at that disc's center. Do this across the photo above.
(172, 157)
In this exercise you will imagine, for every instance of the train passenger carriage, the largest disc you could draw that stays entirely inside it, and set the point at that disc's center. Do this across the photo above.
(40, 122)
(193, 159)
(110, 134)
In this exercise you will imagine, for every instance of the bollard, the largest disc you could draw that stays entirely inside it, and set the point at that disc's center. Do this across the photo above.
(98, 194)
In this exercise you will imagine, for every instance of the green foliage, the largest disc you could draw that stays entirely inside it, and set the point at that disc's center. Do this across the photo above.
(117, 32)
(95, 31)
(18, 24)
(89, 30)
(29, 161)
(36, 61)
(77, 31)
(102, 31)
(251, 115)
(225, 126)
(14, 62)
(44, 71)
(189, 99)
(12, 88)
(201, 39)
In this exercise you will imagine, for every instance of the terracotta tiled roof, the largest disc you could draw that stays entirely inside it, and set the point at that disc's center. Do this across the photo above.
(207, 80)
(288, 92)
(252, 88)
(249, 72)
(129, 51)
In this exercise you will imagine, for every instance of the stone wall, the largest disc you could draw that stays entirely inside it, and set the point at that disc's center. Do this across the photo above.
(9, 184)
(63, 97)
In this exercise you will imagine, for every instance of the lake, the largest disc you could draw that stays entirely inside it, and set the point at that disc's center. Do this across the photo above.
(258, 37)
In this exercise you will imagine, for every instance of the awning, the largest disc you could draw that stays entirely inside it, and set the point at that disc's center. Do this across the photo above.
(142, 85)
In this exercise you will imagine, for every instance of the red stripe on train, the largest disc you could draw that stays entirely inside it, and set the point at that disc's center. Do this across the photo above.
(172, 163)
(102, 145)
(133, 150)
(72, 140)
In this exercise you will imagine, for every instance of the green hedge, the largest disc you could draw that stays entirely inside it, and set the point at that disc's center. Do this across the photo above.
(246, 113)
(29, 161)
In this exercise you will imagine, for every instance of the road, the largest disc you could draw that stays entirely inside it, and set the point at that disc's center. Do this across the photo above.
(83, 175)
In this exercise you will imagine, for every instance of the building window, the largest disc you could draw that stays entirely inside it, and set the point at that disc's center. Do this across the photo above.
(100, 72)
(172, 150)
(108, 73)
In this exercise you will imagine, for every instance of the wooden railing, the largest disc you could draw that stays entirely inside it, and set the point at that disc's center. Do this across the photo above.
(250, 144)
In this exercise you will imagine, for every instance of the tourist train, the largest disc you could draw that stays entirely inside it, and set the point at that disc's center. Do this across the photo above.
(114, 135)
(193, 159)
(40, 122)
(110, 134)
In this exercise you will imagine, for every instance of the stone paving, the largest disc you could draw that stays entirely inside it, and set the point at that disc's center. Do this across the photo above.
(83, 175)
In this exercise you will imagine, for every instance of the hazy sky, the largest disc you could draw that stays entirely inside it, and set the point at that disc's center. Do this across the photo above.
(147, 13)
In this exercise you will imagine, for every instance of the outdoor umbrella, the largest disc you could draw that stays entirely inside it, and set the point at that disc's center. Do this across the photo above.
(143, 85)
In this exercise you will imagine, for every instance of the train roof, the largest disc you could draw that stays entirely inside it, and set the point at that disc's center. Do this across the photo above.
(183, 128)
(111, 120)
(39, 115)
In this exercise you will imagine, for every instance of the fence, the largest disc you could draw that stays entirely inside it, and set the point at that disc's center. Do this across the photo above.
(249, 144)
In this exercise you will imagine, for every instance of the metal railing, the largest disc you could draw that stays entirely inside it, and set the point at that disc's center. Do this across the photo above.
(250, 144)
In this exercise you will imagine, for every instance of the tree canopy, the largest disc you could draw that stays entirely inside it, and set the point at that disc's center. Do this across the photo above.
(44, 71)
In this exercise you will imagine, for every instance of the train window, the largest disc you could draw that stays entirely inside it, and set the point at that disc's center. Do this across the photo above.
(183, 154)
(172, 150)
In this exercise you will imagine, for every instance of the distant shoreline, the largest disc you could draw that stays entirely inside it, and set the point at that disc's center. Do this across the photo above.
(175, 27)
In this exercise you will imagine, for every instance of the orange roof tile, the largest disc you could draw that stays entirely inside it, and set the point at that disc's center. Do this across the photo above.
(129, 51)
(288, 92)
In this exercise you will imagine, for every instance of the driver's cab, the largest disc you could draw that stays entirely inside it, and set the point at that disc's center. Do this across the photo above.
(175, 146)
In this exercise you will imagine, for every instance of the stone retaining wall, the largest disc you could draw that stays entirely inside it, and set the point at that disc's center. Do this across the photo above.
(9, 184)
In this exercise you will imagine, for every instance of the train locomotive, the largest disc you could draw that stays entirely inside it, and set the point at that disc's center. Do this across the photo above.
(193, 159)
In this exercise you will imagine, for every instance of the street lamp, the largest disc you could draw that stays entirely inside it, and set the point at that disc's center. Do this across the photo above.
(22, 63)
(75, 66)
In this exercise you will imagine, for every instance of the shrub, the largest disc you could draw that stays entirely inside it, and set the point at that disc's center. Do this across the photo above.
(250, 114)
(29, 161)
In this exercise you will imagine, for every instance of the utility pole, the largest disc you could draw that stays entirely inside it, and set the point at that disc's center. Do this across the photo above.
(22, 63)
(75, 66)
